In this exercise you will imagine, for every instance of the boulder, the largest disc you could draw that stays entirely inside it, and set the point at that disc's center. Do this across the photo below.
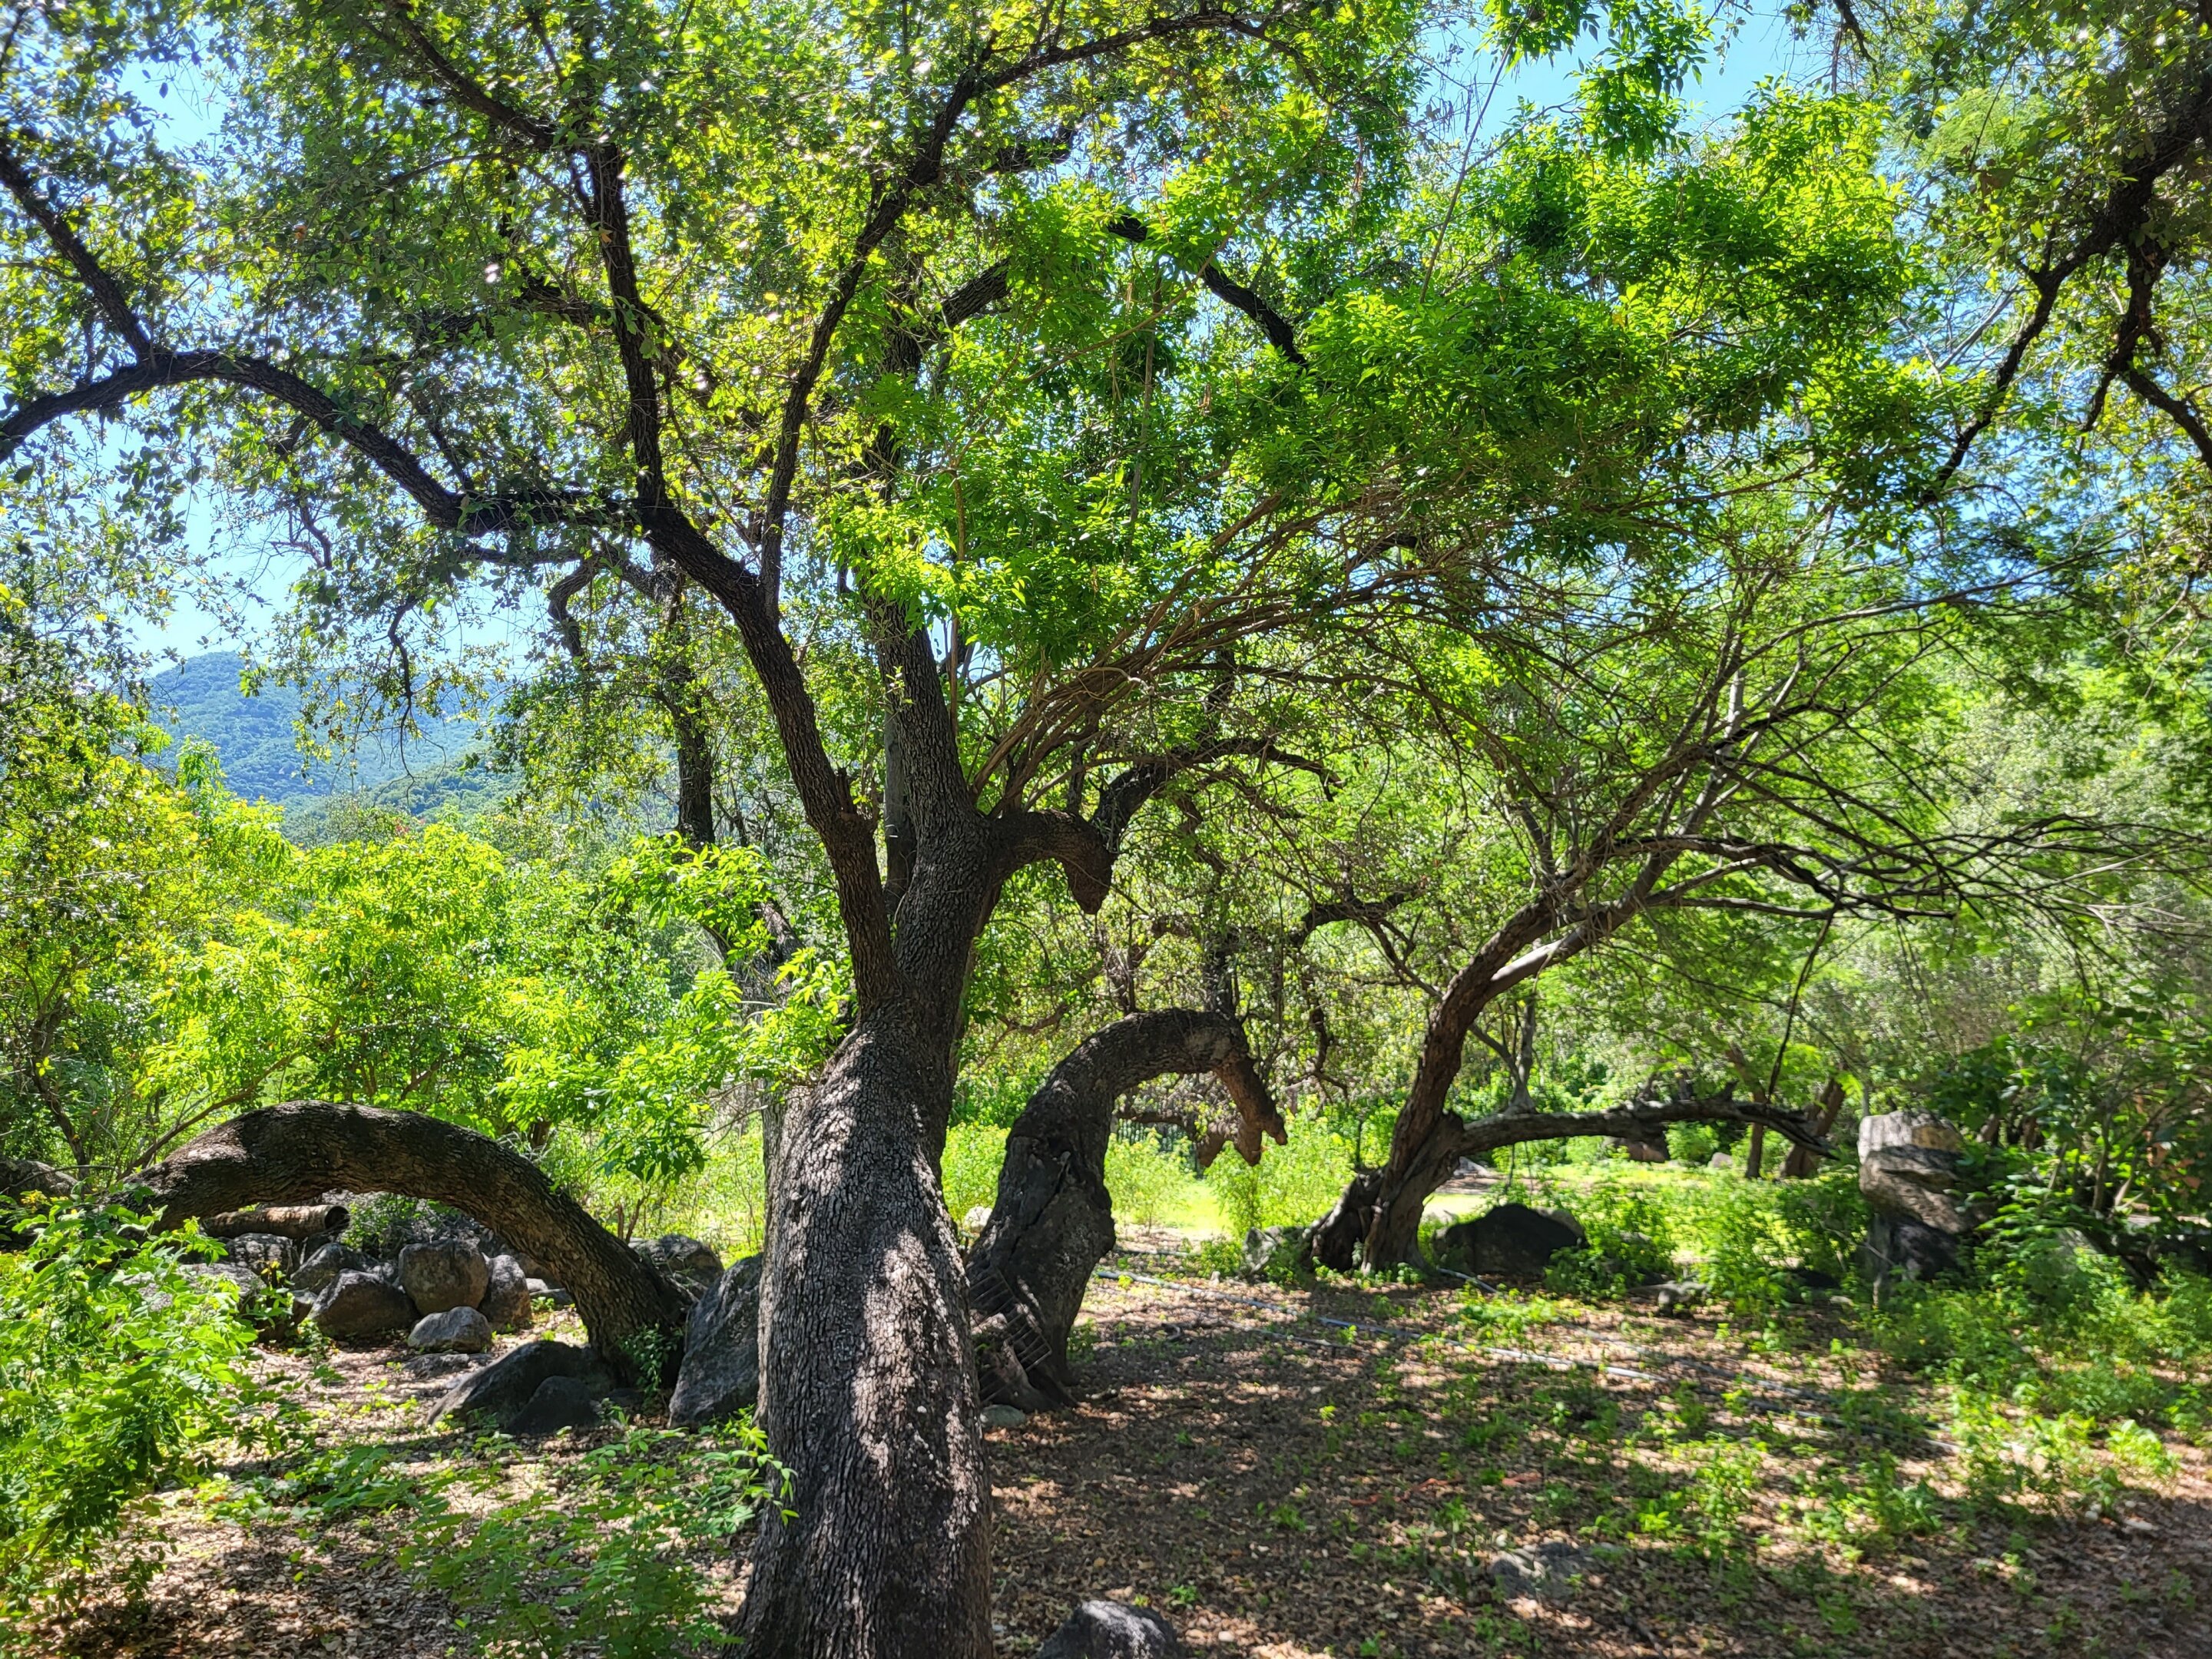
(501, 1389)
(1110, 1630)
(271, 1255)
(719, 1374)
(685, 1262)
(1511, 1239)
(506, 1300)
(551, 1293)
(457, 1330)
(1267, 1248)
(1909, 1169)
(318, 1272)
(362, 1306)
(559, 1402)
(1720, 1161)
(439, 1367)
(1645, 1151)
(977, 1218)
(1548, 1571)
(1679, 1296)
(447, 1273)
(1003, 1417)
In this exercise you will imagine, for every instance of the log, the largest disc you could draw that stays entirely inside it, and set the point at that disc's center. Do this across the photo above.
(284, 1220)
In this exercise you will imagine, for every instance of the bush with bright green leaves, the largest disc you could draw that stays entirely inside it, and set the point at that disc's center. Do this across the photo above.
(1293, 1185)
(121, 1370)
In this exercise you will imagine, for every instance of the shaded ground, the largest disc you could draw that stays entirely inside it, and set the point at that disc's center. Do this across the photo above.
(1279, 1487)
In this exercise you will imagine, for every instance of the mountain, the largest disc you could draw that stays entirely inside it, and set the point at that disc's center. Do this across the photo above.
(258, 742)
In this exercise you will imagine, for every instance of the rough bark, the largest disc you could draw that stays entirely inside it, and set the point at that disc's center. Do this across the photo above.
(1397, 1196)
(1053, 1220)
(284, 1220)
(868, 1388)
(305, 1148)
(1802, 1161)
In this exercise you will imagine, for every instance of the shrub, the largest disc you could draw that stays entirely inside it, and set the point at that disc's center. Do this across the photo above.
(1293, 1185)
(973, 1155)
(1151, 1185)
(1631, 1241)
(1693, 1144)
(120, 1370)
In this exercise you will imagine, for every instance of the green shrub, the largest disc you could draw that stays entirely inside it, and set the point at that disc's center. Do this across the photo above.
(973, 1155)
(1693, 1144)
(120, 1370)
(1631, 1241)
(1294, 1184)
(1151, 1185)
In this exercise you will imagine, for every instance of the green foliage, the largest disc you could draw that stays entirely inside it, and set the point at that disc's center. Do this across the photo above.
(1151, 1184)
(1630, 1242)
(973, 1154)
(1293, 1185)
(120, 1370)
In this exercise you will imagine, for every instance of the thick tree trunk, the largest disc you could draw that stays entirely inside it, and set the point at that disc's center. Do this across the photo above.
(868, 1390)
(1053, 1219)
(305, 1148)
(1382, 1208)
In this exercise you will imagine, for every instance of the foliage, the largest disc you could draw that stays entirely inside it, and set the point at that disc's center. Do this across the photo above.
(1292, 1185)
(120, 1370)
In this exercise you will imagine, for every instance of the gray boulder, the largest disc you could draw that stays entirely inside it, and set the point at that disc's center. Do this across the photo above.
(559, 1402)
(501, 1389)
(1510, 1239)
(719, 1374)
(449, 1272)
(506, 1300)
(362, 1306)
(1910, 1164)
(1548, 1571)
(270, 1254)
(1110, 1629)
(1266, 1248)
(685, 1262)
(457, 1330)
(552, 1293)
(319, 1270)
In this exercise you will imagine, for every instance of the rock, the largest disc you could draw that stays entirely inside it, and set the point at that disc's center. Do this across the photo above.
(1806, 1281)
(435, 1367)
(361, 1306)
(1909, 1167)
(1003, 1417)
(552, 1293)
(1267, 1248)
(1720, 1161)
(319, 1271)
(504, 1387)
(1548, 1571)
(1510, 1239)
(719, 1374)
(559, 1402)
(457, 1330)
(1108, 1630)
(977, 1220)
(271, 1255)
(691, 1267)
(240, 1277)
(505, 1302)
(1645, 1151)
(448, 1273)
(1679, 1296)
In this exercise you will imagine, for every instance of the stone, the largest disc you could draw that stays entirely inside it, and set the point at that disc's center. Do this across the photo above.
(1720, 1161)
(439, 1367)
(691, 1267)
(1900, 1247)
(1548, 1571)
(501, 1389)
(450, 1273)
(1003, 1417)
(271, 1255)
(362, 1306)
(559, 1402)
(1645, 1151)
(1111, 1630)
(1510, 1239)
(1267, 1248)
(267, 1308)
(507, 1298)
(1910, 1164)
(977, 1220)
(319, 1270)
(457, 1330)
(1679, 1296)
(719, 1374)
(552, 1294)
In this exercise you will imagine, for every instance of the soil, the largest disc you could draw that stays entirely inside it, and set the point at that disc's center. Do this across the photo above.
(1287, 1488)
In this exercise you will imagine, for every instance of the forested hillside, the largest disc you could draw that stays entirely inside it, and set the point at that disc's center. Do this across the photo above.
(1301, 829)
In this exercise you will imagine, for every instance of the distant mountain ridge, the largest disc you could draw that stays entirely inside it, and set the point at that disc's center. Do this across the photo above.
(257, 740)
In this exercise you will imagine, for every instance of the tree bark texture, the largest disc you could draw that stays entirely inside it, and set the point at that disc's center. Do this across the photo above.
(1053, 1220)
(1381, 1211)
(868, 1388)
(305, 1148)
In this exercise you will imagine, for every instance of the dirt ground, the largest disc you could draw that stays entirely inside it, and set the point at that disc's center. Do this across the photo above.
(1283, 1487)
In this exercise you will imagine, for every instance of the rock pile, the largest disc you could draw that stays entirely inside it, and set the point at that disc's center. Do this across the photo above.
(1909, 1169)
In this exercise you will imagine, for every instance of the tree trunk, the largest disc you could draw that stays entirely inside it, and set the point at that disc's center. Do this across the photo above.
(868, 1390)
(1053, 1220)
(1801, 1162)
(305, 1148)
